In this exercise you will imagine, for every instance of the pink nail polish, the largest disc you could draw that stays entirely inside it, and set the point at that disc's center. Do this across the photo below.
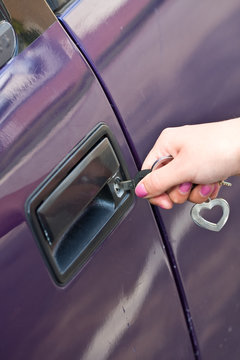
(185, 187)
(140, 191)
(206, 190)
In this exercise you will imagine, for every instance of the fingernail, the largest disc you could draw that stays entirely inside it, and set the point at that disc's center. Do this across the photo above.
(206, 190)
(185, 187)
(140, 191)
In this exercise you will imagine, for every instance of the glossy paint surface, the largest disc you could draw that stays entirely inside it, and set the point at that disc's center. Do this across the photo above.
(180, 62)
(124, 303)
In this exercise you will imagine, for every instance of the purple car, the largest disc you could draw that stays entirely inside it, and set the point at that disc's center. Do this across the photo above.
(89, 271)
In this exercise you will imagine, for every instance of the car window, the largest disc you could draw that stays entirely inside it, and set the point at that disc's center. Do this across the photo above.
(28, 25)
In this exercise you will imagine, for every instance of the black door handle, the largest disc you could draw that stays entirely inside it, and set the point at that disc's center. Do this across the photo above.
(76, 208)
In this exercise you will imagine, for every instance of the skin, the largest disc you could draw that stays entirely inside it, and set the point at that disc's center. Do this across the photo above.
(202, 155)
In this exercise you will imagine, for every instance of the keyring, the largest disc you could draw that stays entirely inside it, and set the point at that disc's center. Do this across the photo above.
(163, 160)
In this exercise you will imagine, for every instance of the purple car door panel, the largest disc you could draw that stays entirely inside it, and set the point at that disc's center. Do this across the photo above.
(170, 63)
(121, 302)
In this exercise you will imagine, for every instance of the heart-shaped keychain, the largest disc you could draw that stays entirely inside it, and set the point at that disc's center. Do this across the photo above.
(200, 221)
(197, 208)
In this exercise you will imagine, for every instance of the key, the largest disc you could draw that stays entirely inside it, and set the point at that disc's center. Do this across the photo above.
(131, 184)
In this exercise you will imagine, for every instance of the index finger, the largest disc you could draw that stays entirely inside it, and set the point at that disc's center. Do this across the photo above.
(162, 179)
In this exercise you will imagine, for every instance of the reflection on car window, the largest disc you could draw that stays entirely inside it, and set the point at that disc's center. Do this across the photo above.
(28, 25)
(58, 5)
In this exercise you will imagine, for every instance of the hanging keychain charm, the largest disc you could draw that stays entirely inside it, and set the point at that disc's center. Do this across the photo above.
(200, 221)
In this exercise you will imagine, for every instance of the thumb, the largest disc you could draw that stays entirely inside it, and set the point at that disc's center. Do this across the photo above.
(162, 179)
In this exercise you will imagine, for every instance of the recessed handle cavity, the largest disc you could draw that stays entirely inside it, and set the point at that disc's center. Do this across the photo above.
(75, 193)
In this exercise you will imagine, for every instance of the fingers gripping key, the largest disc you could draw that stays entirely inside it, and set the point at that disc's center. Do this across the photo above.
(131, 184)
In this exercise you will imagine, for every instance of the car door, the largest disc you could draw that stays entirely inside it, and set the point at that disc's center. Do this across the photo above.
(180, 62)
(84, 270)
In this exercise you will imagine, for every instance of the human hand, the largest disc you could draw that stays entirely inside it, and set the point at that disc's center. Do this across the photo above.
(202, 154)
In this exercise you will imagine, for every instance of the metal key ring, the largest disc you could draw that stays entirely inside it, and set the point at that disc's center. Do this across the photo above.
(160, 161)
